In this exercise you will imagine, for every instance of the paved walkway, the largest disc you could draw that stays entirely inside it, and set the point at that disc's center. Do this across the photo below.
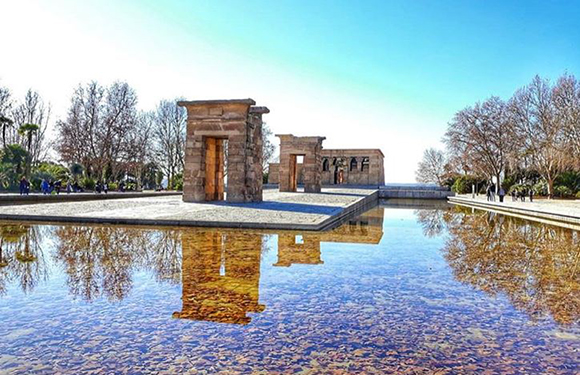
(567, 211)
(277, 211)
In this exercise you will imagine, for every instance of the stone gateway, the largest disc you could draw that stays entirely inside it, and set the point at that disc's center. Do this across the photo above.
(310, 149)
(214, 127)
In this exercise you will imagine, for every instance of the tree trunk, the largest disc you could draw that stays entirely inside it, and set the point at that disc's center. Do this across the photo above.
(550, 187)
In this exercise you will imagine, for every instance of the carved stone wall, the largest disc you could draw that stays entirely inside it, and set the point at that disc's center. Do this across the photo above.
(346, 166)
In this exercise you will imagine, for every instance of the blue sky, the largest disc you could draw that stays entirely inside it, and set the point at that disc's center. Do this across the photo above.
(386, 74)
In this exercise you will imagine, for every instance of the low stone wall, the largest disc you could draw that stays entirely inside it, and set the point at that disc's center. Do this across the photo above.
(10, 199)
(414, 192)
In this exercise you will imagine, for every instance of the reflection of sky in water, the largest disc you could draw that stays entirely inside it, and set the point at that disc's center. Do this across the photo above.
(352, 307)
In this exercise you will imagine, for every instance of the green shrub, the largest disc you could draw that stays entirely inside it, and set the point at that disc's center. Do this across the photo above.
(113, 186)
(578, 195)
(88, 183)
(463, 184)
(570, 179)
(541, 188)
(563, 191)
(178, 182)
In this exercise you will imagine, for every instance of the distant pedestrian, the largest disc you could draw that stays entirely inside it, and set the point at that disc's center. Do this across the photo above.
(98, 188)
(105, 188)
(492, 192)
(23, 185)
(44, 186)
(531, 195)
(68, 187)
(514, 195)
(488, 193)
(523, 195)
(57, 186)
(501, 194)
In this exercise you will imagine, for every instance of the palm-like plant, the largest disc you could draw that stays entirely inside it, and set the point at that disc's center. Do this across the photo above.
(5, 123)
(28, 130)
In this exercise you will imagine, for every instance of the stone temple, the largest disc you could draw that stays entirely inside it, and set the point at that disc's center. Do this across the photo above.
(226, 135)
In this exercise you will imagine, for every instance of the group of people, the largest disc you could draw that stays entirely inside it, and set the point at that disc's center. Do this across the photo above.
(521, 195)
(48, 187)
(516, 195)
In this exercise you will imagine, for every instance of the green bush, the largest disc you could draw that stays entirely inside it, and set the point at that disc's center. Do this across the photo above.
(113, 186)
(88, 183)
(570, 179)
(541, 188)
(578, 195)
(563, 191)
(178, 182)
(463, 184)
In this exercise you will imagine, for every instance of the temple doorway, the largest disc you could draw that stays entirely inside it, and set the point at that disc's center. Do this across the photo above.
(214, 169)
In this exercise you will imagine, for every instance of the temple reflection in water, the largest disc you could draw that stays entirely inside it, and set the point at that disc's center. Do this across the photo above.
(305, 248)
(221, 268)
(220, 276)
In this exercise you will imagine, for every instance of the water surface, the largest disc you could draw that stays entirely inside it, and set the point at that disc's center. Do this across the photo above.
(392, 291)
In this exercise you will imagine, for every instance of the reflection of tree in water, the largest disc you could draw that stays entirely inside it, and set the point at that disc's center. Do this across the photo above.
(535, 265)
(21, 256)
(164, 256)
(431, 221)
(101, 260)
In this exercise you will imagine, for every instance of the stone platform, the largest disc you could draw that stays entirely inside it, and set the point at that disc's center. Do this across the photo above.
(292, 211)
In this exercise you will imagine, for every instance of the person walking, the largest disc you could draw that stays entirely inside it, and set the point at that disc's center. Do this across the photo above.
(501, 194)
(531, 195)
(23, 185)
(44, 186)
(488, 193)
(105, 188)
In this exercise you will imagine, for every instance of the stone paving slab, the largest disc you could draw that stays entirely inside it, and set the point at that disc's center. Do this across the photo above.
(566, 211)
(304, 211)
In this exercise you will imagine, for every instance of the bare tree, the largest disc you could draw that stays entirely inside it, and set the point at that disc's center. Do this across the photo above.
(566, 98)
(32, 110)
(269, 148)
(482, 136)
(169, 135)
(538, 130)
(432, 168)
(99, 129)
(6, 121)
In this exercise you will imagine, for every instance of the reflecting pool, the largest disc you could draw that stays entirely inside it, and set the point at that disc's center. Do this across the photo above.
(395, 290)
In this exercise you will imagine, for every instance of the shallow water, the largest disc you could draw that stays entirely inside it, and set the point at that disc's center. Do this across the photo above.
(392, 291)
